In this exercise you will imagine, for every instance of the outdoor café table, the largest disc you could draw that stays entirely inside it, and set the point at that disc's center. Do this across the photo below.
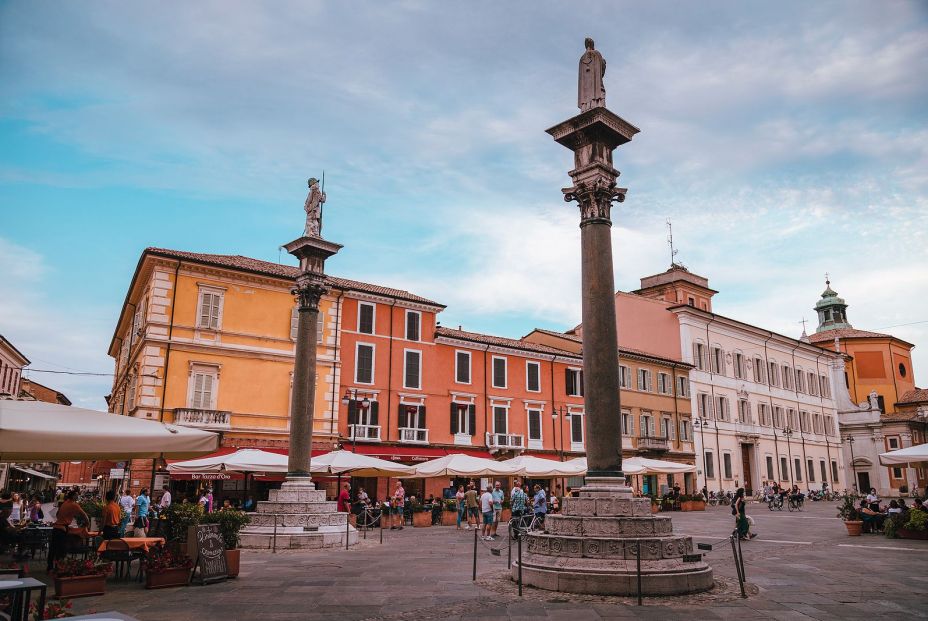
(106, 616)
(20, 589)
(142, 544)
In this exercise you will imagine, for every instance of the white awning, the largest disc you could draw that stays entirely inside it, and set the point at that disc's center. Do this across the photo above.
(907, 455)
(242, 460)
(32, 472)
(460, 465)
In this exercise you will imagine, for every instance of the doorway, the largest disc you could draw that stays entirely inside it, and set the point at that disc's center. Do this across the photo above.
(747, 468)
(863, 482)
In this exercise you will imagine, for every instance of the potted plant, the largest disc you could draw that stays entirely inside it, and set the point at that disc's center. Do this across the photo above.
(655, 503)
(848, 512)
(506, 513)
(449, 517)
(165, 567)
(94, 510)
(421, 517)
(231, 522)
(80, 577)
(179, 518)
(915, 526)
(54, 609)
(694, 502)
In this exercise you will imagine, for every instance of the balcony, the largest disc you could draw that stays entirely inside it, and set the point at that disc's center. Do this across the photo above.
(364, 433)
(505, 441)
(651, 443)
(409, 435)
(203, 419)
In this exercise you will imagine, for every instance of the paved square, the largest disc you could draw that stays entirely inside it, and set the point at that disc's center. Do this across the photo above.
(802, 566)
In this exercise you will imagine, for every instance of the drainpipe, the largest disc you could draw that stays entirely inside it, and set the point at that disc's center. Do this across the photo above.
(718, 448)
(167, 361)
(554, 411)
(333, 424)
(802, 437)
(773, 425)
(486, 397)
(125, 376)
(389, 374)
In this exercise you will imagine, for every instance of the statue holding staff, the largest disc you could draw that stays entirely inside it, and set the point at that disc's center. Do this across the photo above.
(313, 209)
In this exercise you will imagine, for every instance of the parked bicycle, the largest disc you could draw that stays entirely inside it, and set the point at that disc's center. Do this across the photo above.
(795, 502)
(775, 501)
(521, 524)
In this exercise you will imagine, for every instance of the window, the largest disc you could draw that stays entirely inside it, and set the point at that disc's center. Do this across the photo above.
(499, 372)
(764, 411)
(834, 471)
(717, 361)
(690, 300)
(738, 365)
(710, 465)
(902, 369)
(574, 382)
(500, 419)
(813, 384)
(791, 421)
(881, 403)
(699, 356)
(463, 419)
(130, 397)
(576, 428)
(683, 386)
(644, 380)
(628, 427)
(759, 375)
(646, 430)
(810, 470)
(412, 416)
(778, 420)
(412, 369)
(829, 426)
(897, 473)
(202, 388)
(804, 424)
(726, 464)
(823, 469)
(784, 469)
(625, 376)
(366, 318)
(800, 381)
(787, 377)
(413, 325)
(825, 386)
(704, 406)
(534, 425)
(893, 443)
(774, 375)
(667, 427)
(663, 384)
(532, 377)
(364, 364)
(210, 314)
(744, 411)
(770, 468)
(138, 318)
(798, 470)
(685, 430)
(462, 367)
(722, 412)
(294, 322)
(817, 426)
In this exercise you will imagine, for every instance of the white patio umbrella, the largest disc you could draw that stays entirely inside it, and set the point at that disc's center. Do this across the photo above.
(539, 467)
(642, 465)
(242, 460)
(357, 465)
(460, 465)
(907, 455)
(39, 431)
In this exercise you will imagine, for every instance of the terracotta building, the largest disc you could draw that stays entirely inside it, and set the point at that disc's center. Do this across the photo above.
(887, 411)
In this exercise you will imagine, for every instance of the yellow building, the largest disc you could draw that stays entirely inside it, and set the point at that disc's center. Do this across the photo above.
(208, 340)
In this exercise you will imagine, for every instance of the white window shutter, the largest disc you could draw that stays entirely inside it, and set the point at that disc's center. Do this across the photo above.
(197, 391)
(294, 323)
(650, 382)
(204, 310)
(214, 319)
(207, 392)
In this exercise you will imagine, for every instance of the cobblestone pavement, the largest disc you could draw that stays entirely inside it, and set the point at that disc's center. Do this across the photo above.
(802, 566)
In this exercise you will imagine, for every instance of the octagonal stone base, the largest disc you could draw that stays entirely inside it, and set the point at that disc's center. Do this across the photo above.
(592, 547)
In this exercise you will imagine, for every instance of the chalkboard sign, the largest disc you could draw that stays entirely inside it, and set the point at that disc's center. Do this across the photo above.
(211, 554)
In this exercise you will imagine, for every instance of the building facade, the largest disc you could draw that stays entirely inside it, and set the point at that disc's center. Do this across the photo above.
(12, 362)
(885, 410)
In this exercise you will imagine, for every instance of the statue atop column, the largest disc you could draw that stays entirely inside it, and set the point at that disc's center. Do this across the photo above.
(313, 209)
(590, 90)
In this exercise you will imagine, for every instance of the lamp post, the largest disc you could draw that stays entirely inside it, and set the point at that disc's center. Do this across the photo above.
(351, 394)
(850, 442)
(700, 424)
(559, 414)
(787, 433)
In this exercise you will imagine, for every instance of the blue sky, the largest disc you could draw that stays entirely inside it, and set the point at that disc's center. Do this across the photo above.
(784, 140)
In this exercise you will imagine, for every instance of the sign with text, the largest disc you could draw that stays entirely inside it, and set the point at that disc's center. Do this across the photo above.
(211, 554)
(117, 473)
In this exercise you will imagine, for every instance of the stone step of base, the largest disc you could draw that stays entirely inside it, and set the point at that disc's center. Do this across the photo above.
(299, 519)
(296, 495)
(266, 506)
(327, 537)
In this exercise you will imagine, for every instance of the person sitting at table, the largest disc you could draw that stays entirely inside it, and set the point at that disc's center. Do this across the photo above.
(112, 516)
(67, 512)
(249, 504)
(36, 515)
(873, 520)
(894, 508)
(436, 511)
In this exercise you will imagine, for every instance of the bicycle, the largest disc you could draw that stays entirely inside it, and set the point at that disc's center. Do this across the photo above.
(775, 501)
(521, 524)
(795, 502)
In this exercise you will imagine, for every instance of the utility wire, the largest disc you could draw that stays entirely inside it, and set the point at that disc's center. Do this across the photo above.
(28, 370)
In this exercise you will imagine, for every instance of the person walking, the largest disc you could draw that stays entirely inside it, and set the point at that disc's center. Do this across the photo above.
(142, 504)
(399, 504)
(127, 503)
(67, 512)
(498, 496)
(472, 503)
(486, 508)
(517, 501)
(540, 503)
(461, 497)
(344, 499)
(741, 520)
(112, 516)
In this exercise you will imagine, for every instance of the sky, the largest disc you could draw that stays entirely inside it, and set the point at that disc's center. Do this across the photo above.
(783, 140)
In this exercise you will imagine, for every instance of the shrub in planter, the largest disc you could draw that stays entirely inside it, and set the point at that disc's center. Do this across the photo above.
(915, 526)
(421, 515)
(849, 512)
(80, 577)
(180, 516)
(165, 567)
(231, 522)
(891, 526)
(903, 489)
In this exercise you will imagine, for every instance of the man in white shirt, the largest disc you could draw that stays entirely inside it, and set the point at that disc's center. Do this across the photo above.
(486, 507)
(165, 499)
(127, 503)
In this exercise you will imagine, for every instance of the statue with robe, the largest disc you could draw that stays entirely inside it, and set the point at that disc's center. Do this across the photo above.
(590, 90)
(313, 209)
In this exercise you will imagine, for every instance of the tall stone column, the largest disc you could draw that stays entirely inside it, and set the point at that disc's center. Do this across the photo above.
(594, 544)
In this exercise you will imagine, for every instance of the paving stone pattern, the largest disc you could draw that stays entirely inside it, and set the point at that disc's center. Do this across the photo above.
(802, 566)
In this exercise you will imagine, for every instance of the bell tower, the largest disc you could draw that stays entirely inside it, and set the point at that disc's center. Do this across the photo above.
(831, 309)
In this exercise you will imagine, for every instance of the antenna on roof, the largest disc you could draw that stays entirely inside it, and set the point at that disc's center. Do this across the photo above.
(673, 251)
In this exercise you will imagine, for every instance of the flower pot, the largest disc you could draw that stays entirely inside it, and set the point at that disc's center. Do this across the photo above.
(421, 519)
(905, 533)
(80, 586)
(449, 518)
(233, 560)
(853, 527)
(174, 577)
(505, 515)
(698, 505)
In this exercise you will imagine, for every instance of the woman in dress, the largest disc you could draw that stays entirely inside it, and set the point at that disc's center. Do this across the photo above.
(741, 519)
(462, 507)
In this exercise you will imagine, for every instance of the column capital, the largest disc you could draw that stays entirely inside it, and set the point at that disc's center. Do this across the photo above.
(595, 198)
(309, 291)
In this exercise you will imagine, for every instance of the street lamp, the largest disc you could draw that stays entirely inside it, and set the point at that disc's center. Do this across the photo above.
(562, 413)
(351, 394)
(787, 433)
(700, 424)
(850, 442)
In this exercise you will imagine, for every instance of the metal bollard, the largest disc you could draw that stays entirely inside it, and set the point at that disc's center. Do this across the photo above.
(520, 566)
(475, 554)
(347, 529)
(741, 561)
(734, 551)
(509, 552)
(638, 562)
